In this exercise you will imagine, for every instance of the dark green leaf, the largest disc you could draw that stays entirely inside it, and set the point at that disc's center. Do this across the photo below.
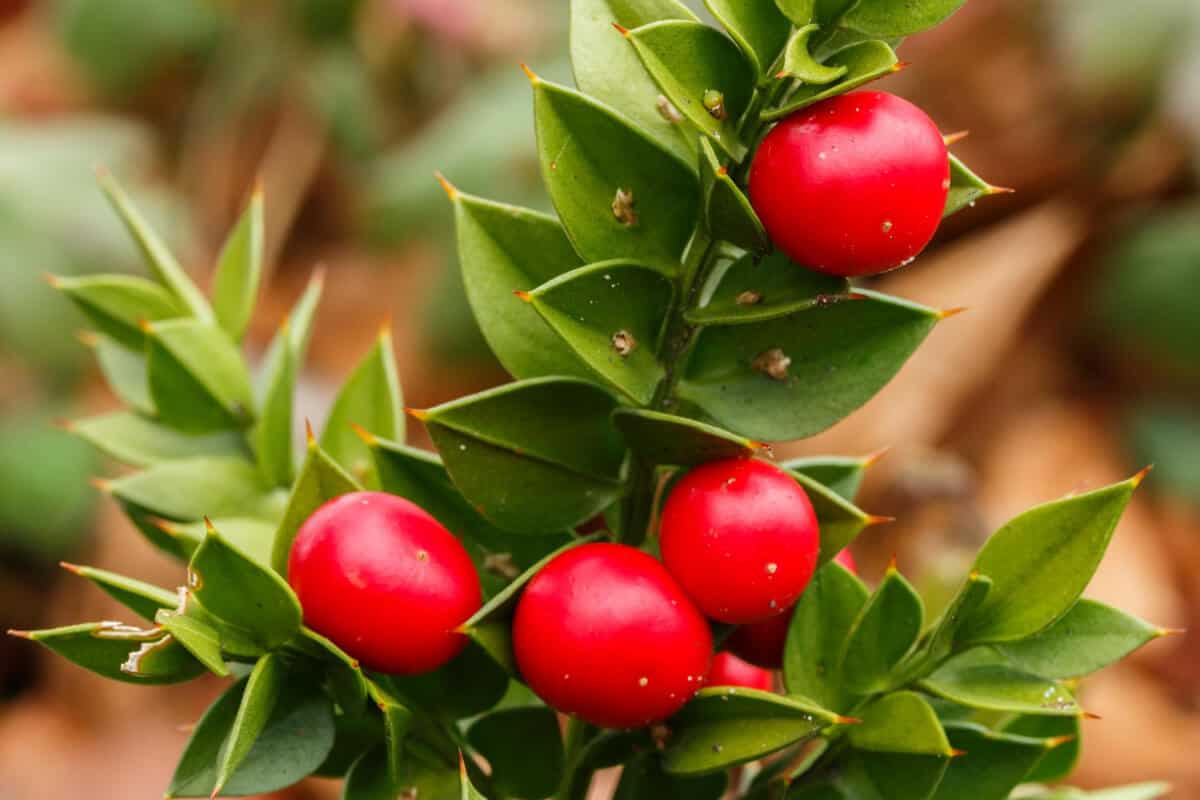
(992, 764)
(467, 783)
(533, 456)
(901, 722)
(347, 684)
(525, 749)
(1041, 561)
(197, 377)
(124, 371)
(887, 18)
(841, 475)
(666, 439)
(816, 638)
(618, 193)
(371, 399)
(263, 689)
(471, 683)
(1059, 761)
(190, 489)
(397, 719)
(369, 779)
(979, 679)
(892, 776)
(965, 187)
(750, 289)
(320, 481)
(886, 629)
(758, 27)
(141, 442)
(728, 214)
(121, 652)
(200, 639)
(943, 636)
(799, 63)
(840, 521)
(239, 269)
(612, 315)
(644, 779)
(823, 374)
(864, 62)
(139, 597)
(702, 73)
(118, 304)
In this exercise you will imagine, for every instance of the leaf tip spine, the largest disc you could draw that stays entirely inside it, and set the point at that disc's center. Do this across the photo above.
(1090, 715)
(950, 312)
(88, 339)
(621, 29)
(101, 484)
(449, 188)
(368, 438)
(419, 414)
(994, 190)
(74, 569)
(1137, 479)
(20, 634)
(954, 138)
(870, 459)
(1059, 741)
(529, 73)
(954, 752)
(526, 296)
(900, 66)
(1162, 633)
(877, 519)
(840, 720)
(309, 438)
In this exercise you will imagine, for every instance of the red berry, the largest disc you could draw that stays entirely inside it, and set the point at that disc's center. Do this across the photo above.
(854, 185)
(384, 581)
(762, 643)
(604, 632)
(741, 537)
(729, 670)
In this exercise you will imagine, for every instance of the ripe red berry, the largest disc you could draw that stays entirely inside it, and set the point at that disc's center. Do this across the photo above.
(384, 581)
(854, 185)
(604, 632)
(741, 537)
(762, 643)
(729, 670)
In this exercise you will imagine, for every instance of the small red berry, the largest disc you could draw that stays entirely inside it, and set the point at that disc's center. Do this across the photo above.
(384, 581)
(729, 670)
(741, 537)
(605, 633)
(762, 643)
(853, 185)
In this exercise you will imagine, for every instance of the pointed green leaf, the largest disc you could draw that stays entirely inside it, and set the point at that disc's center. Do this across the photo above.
(618, 193)
(468, 790)
(141, 442)
(992, 763)
(121, 652)
(263, 689)
(239, 270)
(118, 304)
(799, 63)
(612, 315)
(505, 249)
(979, 679)
(524, 748)
(842, 475)
(874, 775)
(886, 629)
(397, 719)
(124, 371)
(702, 73)
(189, 489)
(1059, 761)
(471, 683)
(750, 289)
(965, 187)
(798, 12)
(643, 778)
(1041, 561)
(823, 375)
(243, 593)
(272, 432)
(158, 258)
(839, 520)
(142, 598)
(370, 398)
(533, 456)
(200, 639)
(347, 684)
(758, 27)
(864, 62)
(725, 726)
(666, 439)
(822, 621)
(901, 722)
(944, 634)
(370, 779)
(608, 69)
(887, 18)
(728, 215)
(251, 536)
(320, 480)
(197, 377)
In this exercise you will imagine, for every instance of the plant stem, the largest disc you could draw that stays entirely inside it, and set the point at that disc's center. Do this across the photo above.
(576, 737)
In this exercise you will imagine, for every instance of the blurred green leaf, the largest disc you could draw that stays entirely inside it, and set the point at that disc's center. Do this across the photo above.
(239, 270)
(369, 779)
(190, 489)
(125, 373)
(118, 304)
(643, 778)
(524, 748)
(1169, 438)
(197, 377)
(141, 442)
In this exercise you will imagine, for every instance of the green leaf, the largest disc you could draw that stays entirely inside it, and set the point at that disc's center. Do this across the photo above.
(197, 377)
(243, 593)
(728, 215)
(608, 69)
(121, 652)
(992, 763)
(141, 598)
(239, 270)
(347, 684)
(750, 289)
(643, 778)
(828, 376)
(141, 442)
(758, 27)
(702, 73)
(295, 740)
(200, 639)
(1169, 438)
(525, 749)
(886, 629)
(864, 62)
(660, 438)
(612, 315)
(124, 371)
(533, 456)
(263, 689)
(1059, 761)
(978, 679)
(370, 398)
(505, 249)
(272, 432)
(841, 475)
(822, 621)
(190, 489)
(901, 722)
(965, 188)
(799, 63)
(892, 776)
(397, 719)
(839, 520)
(254, 537)
(725, 726)
(469, 791)
(118, 304)
(158, 258)
(471, 683)
(1087, 638)
(618, 193)
(889, 18)
(320, 480)
(369, 779)
(1041, 561)
(943, 638)
(798, 12)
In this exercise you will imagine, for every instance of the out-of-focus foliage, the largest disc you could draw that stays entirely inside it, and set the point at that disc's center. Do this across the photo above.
(1169, 438)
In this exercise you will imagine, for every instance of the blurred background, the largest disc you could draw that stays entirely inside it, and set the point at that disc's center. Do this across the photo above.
(1077, 363)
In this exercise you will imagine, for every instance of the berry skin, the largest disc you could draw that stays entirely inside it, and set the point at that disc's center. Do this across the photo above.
(605, 633)
(729, 670)
(384, 581)
(741, 537)
(762, 644)
(854, 185)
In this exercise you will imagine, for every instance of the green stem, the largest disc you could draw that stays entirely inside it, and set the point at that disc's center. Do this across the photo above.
(574, 742)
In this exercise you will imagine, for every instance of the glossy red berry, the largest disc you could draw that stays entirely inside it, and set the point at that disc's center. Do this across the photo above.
(605, 633)
(384, 581)
(741, 537)
(762, 643)
(854, 185)
(729, 670)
